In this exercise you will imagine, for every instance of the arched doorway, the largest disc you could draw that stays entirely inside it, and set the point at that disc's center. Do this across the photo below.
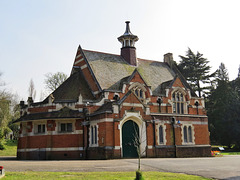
(130, 130)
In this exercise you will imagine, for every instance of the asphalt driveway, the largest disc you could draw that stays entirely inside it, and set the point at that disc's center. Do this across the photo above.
(227, 167)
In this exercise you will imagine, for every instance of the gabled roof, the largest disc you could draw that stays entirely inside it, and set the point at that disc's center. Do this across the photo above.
(134, 74)
(70, 89)
(105, 108)
(130, 92)
(110, 70)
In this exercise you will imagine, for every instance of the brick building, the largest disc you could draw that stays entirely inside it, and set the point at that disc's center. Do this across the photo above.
(110, 100)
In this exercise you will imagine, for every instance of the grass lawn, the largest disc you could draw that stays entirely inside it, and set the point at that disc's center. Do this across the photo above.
(30, 175)
(11, 148)
(230, 153)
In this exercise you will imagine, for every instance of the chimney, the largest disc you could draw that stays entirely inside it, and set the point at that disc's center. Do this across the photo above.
(128, 50)
(168, 58)
(30, 101)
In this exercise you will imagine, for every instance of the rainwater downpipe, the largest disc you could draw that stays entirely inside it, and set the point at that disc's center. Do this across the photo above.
(174, 140)
(154, 137)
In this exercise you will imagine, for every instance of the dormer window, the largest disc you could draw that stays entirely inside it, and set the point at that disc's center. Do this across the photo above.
(178, 104)
(139, 90)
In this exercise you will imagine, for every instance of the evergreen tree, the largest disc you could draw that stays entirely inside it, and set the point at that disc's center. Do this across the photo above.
(222, 74)
(235, 111)
(196, 70)
(222, 108)
(238, 72)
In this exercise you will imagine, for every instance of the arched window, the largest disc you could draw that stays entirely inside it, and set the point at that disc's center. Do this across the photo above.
(178, 100)
(92, 138)
(139, 90)
(139, 93)
(161, 135)
(94, 135)
(187, 134)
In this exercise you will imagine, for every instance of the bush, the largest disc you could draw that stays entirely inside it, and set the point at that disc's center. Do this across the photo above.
(139, 175)
(2, 141)
(2, 146)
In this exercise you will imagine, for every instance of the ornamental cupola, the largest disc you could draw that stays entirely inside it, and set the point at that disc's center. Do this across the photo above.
(128, 50)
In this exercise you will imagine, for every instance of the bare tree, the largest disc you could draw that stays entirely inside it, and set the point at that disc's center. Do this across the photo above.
(53, 81)
(43, 95)
(1, 82)
(138, 141)
(31, 89)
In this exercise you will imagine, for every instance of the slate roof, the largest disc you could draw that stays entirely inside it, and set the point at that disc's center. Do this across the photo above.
(111, 70)
(72, 88)
(62, 113)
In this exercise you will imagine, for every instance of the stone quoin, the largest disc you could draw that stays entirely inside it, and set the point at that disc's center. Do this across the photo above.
(110, 100)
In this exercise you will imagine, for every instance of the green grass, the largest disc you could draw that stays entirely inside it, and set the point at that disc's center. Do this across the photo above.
(230, 153)
(11, 148)
(30, 175)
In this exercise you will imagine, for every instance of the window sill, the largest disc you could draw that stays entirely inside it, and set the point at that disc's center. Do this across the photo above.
(65, 132)
(40, 133)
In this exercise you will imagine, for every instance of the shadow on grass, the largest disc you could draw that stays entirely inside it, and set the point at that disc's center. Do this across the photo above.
(8, 158)
(11, 142)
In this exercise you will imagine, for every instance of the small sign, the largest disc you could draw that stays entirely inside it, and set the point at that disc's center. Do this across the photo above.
(221, 148)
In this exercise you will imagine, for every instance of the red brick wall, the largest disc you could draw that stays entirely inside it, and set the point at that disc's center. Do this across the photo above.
(129, 54)
(65, 140)
(51, 125)
(150, 138)
(201, 134)
(40, 109)
(105, 130)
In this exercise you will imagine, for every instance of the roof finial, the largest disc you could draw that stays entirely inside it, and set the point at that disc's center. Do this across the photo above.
(127, 32)
(128, 39)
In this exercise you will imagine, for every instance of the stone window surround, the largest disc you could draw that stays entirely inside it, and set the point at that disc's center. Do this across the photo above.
(35, 127)
(187, 125)
(93, 141)
(59, 122)
(164, 133)
(180, 91)
(139, 90)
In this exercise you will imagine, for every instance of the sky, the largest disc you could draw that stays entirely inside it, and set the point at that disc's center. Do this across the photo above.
(39, 37)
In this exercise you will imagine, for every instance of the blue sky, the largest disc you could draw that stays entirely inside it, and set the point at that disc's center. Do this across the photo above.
(38, 37)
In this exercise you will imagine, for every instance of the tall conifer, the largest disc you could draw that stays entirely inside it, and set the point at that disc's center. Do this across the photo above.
(196, 70)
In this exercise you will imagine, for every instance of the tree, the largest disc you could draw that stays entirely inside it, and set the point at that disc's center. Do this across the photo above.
(238, 72)
(31, 89)
(221, 109)
(137, 142)
(222, 74)
(8, 102)
(196, 70)
(2, 83)
(53, 81)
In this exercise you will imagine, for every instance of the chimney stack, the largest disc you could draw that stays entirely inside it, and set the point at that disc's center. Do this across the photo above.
(168, 58)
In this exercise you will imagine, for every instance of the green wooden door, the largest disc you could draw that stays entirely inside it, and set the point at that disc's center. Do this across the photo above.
(129, 131)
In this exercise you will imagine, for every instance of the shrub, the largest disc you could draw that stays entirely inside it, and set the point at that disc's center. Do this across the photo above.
(2, 146)
(2, 141)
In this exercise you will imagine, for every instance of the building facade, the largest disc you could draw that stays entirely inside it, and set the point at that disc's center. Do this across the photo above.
(116, 106)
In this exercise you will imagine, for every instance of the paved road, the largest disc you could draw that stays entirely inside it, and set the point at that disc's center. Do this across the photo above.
(227, 167)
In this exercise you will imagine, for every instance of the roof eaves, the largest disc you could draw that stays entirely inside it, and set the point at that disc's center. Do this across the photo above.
(100, 112)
